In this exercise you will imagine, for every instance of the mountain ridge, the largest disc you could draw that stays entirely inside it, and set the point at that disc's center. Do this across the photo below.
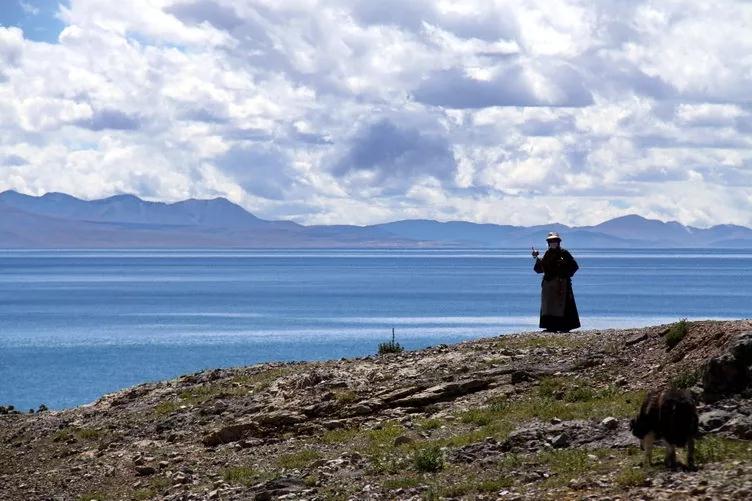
(61, 220)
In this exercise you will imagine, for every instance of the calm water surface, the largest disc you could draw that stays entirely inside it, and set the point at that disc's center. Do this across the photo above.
(77, 324)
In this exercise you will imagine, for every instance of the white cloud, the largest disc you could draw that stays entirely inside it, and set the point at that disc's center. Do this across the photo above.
(358, 112)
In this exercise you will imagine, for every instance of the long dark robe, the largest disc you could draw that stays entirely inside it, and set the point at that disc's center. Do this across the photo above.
(558, 308)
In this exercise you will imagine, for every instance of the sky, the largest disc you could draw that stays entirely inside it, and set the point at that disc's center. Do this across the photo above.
(361, 112)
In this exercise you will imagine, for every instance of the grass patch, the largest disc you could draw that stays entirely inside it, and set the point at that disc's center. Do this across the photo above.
(428, 460)
(569, 464)
(345, 396)
(381, 451)
(676, 333)
(383, 438)
(298, 460)
(258, 381)
(406, 482)
(429, 424)
(539, 341)
(339, 436)
(632, 476)
(67, 434)
(713, 449)
(474, 486)
(686, 379)
(479, 417)
(240, 475)
(142, 494)
(555, 397)
(198, 394)
(238, 386)
(166, 407)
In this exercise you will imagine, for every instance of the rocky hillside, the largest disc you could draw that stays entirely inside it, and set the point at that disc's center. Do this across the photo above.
(526, 416)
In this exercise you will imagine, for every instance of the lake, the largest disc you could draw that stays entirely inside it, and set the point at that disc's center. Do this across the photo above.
(77, 324)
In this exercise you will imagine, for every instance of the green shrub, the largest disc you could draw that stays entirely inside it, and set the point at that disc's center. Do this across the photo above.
(676, 333)
(390, 346)
(686, 379)
(429, 460)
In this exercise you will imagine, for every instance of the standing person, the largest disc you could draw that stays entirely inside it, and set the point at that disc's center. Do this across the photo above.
(558, 311)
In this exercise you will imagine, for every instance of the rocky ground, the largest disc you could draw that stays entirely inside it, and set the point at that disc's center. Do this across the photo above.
(528, 416)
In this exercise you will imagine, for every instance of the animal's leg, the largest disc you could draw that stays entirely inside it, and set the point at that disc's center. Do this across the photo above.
(670, 456)
(691, 454)
(647, 445)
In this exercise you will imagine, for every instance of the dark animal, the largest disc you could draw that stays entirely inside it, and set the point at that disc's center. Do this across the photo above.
(671, 415)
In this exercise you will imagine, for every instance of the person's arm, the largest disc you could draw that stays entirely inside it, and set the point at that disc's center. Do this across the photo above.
(572, 266)
(538, 267)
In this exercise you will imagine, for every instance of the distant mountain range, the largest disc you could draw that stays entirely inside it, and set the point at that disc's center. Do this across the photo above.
(56, 220)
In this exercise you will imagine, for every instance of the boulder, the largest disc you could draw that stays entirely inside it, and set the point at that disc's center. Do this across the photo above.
(636, 339)
(559, 441)
(228, 434)
(144, 470)
(610, 423)
(280, 419)
(724, 375)
(402, 440)
(714, 419)
(442, 392)
(274, 489)
(740, 426)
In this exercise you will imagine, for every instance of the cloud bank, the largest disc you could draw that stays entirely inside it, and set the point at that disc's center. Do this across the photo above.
(363, 112)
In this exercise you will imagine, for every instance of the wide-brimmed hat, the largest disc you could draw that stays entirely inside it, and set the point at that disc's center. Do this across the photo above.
(552, 235)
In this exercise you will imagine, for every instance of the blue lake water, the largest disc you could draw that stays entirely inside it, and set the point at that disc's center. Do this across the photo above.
(77, 324)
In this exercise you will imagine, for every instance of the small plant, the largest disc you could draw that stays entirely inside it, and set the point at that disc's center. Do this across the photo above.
(429, 460)
(676, 333)
(686, 379)
(391, 346)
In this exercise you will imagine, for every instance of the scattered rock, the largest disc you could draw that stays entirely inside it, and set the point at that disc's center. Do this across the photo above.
(610, 423)
(442, 392)
(402, 440)
(714, 419)
(231, 433)
(740, 426)
(559, 441)
(145, 470)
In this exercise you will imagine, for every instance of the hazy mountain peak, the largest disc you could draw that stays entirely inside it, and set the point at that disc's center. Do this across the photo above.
(60, 220)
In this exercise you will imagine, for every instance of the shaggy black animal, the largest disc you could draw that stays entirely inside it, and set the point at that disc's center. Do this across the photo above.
(670, 415)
